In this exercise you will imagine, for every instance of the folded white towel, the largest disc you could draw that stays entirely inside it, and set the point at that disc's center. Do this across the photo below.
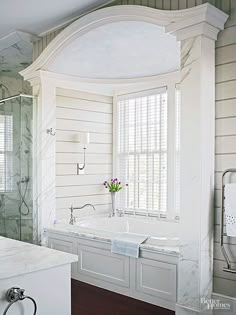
(127, 244)
(230, 209)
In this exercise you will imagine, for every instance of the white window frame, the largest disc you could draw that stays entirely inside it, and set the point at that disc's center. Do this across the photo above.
(170, 85)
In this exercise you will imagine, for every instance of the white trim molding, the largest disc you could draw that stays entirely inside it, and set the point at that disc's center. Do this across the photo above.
(172, 21)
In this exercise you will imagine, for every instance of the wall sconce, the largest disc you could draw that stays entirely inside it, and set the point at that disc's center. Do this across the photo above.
(84, 139)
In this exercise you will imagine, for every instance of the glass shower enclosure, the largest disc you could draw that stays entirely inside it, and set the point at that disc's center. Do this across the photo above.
(17, 215)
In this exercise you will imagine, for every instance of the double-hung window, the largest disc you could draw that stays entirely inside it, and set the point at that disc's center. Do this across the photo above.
(6, 152)
(146, 155)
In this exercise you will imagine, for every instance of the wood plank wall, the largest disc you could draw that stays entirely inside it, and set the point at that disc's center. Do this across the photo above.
(224, 283)
(83, 112)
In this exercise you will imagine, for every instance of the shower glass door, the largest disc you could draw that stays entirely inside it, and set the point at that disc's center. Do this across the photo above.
(17, 218)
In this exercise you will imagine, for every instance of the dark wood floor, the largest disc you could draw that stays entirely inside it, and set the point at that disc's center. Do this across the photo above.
(90, 300)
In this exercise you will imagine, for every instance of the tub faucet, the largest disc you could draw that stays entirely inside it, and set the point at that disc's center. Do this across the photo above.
(120, 213)
(72, 208)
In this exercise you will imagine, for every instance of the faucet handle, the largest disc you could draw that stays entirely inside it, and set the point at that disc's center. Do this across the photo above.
(120, 212)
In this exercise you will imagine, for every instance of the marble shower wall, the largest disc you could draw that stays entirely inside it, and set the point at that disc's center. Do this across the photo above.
(17, 199)
(14, 85)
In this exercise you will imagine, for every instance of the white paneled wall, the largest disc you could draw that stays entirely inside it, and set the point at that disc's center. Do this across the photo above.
(78, 112)
(225, 124)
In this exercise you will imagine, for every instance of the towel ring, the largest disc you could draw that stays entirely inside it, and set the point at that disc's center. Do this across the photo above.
(16, 294)
(222, 234)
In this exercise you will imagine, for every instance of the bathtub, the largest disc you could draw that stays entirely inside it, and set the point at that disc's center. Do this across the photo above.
(162, 234)
(162, 231)
(152, 277)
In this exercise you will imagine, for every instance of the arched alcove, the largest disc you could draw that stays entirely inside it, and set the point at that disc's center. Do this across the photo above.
(131, 46)
(119, 50)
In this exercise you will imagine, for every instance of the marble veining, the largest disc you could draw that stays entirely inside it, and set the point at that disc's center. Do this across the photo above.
(197, 105)
(18, 258)
(16, 207)
(105, 236)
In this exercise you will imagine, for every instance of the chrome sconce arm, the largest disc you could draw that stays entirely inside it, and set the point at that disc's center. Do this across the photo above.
(83, 166)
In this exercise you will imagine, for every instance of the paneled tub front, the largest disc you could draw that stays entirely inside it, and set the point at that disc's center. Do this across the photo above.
(151, 278)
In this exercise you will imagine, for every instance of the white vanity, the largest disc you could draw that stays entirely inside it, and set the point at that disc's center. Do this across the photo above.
(44, 274)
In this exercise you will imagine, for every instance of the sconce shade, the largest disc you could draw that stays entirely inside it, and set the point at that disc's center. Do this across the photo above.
(84, 137)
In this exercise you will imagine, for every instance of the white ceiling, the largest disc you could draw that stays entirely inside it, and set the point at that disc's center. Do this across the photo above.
(120, 50)
(34, 17)
(37, 17)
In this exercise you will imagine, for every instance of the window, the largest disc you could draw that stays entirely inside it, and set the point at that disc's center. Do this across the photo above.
(6, 152)
(146, 147)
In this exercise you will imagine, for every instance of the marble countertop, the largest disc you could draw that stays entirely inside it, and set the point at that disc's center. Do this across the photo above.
(152, 244)
(18, 258)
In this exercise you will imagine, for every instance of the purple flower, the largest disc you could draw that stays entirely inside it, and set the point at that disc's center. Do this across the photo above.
(126, 184)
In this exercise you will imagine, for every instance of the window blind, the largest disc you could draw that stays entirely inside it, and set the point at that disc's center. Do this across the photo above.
(142, 152)
(6, 152)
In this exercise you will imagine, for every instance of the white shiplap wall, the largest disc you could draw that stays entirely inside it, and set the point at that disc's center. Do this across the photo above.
(78, 112)
(224, 283)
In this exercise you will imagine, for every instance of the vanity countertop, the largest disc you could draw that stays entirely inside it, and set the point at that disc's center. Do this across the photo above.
(18, 258)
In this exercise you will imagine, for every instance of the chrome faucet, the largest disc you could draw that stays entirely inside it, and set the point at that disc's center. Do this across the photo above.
(72, 217)
(120, 213)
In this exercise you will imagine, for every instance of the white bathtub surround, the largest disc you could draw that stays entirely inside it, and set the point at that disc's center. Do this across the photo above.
(35, 268)
(152, 277)
(197, 30)
(164, 235)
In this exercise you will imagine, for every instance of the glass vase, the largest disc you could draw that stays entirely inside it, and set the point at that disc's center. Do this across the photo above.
(113, 203)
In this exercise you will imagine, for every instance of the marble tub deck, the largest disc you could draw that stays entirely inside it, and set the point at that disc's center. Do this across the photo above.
(18, 258)
(152, 244)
